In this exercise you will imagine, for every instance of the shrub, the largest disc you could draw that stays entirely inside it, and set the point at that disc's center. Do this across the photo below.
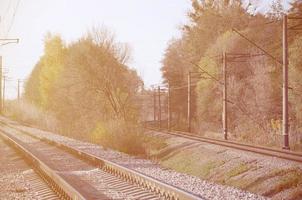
(119, 135)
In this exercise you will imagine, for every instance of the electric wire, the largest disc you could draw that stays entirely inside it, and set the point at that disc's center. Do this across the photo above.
(13, 18)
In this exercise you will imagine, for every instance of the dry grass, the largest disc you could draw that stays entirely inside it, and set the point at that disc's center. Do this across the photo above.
(27, 113)
(114, 134)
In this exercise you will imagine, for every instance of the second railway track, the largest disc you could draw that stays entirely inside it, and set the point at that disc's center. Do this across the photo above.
(279, 153)
(81, 175)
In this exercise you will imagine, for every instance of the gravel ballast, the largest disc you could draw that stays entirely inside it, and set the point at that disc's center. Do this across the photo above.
(195, 185)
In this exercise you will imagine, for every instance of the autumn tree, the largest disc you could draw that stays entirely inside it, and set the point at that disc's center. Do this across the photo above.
(39, 88)
(85, 83)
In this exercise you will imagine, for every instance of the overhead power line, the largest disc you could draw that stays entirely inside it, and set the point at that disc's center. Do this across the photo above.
(7, 9)
(13, 18)
(204, 71)
(256, 45)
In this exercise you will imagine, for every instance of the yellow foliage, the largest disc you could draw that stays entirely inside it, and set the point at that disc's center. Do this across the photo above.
(276, 125)
(47, 79)
(99, 133)
(211, 67)
(52, 66)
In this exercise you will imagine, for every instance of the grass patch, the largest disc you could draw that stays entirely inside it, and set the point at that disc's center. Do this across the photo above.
(206, 169)
(239, 169)
(153, 145)
(178, 162)
(233, 172)
(181, 162)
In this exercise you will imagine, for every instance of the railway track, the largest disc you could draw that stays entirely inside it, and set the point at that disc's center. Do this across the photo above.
(76, 174)
(20, 179)
(280, 153)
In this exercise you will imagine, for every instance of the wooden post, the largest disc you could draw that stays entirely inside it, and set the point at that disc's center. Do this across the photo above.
(169, 107)
(189, 102)
(3, 94)
(154, 105)
(19, 91)
(224, 108)
(1, 110)
(285, 124)
(159, 108)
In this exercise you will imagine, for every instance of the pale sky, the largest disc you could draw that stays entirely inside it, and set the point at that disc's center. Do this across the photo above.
(146, 25)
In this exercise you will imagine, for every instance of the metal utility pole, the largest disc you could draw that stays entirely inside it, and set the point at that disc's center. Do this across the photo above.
(159, 108)
(154, 105)
(224, 108)
(169, 107)
(3, 94)
(19, 90)
(285, 124)
(189, 102)
(228, 58)
(1, 85)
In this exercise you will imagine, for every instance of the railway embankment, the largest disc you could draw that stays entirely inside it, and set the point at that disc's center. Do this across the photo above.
(265, 175)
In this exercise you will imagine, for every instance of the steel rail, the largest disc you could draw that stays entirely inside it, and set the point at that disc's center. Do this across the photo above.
(54, 180)
(280, 153)
(39, 185)
(129, 175)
